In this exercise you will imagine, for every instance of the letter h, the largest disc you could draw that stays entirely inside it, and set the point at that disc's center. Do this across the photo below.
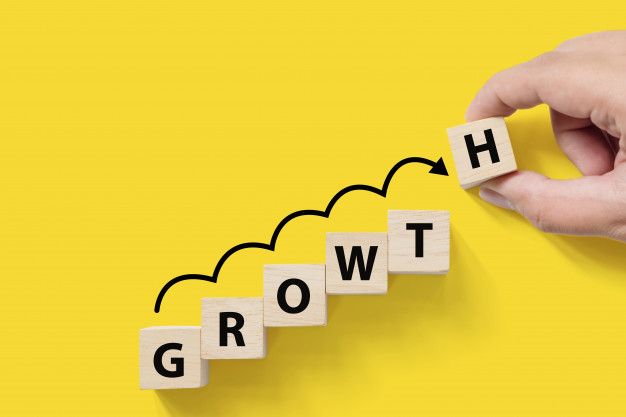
(473, 150)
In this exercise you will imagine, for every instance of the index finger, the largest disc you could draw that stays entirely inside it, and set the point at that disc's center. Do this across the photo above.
(566, 82)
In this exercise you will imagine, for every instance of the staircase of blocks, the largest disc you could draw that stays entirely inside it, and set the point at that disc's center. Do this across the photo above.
(416, 242)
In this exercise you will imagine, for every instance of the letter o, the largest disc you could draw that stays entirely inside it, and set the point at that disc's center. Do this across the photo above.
(281, 296)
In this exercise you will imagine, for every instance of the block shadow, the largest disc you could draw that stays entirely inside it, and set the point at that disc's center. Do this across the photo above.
(592, 250)
(353, 322)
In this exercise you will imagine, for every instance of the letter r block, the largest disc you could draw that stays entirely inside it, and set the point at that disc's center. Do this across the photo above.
(169, 357)
(481, 150)
(232, 328)
(356, 263)
(419, 242)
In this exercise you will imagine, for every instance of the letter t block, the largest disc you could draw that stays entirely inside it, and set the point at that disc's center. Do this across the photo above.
(481, 150)
(419, 241)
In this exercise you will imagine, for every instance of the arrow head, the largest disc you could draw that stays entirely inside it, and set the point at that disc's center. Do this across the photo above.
(439, 168)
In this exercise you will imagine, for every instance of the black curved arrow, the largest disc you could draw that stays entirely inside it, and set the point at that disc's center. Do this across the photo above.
(438, 168)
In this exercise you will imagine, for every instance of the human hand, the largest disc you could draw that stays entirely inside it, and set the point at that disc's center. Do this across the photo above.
(583, 81)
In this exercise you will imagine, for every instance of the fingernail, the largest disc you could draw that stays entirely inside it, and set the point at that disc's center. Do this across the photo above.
(495, 198)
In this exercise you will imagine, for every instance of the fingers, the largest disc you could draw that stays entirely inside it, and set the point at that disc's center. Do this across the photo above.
(504, 93)
(583, 206)
(584, 144)
(546, 80)
(569, 83)
(582, 83)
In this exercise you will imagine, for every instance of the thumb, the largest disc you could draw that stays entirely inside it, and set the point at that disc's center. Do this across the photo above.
(581, 206)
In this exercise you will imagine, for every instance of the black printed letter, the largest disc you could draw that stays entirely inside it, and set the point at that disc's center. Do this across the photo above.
(179, 363)
(473, 150)
(282, 296)
(356, 255)
(419, 236)
(235, 330)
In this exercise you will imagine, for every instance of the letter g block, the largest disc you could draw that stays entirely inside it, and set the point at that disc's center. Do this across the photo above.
(169, 357)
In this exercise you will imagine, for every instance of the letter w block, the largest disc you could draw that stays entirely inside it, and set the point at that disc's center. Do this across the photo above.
(356, 263)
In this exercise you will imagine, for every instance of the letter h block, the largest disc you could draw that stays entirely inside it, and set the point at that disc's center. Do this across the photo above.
(481, 150)
(232, 328)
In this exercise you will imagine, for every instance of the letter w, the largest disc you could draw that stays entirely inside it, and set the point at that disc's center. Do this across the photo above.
(356, 255)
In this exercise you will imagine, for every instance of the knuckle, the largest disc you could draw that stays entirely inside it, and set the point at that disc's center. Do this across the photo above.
(576, 42)
(547, 58)
(566, 45)
(585, 41)
(573, 43)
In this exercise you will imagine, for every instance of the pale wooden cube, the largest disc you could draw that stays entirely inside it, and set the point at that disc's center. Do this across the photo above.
(232, 328)
(371, 248)
(169, 357)
(419, 242)
(294, 295)
(482, 150)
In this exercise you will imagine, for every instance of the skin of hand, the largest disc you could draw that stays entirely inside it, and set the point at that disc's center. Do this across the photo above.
(583, 81)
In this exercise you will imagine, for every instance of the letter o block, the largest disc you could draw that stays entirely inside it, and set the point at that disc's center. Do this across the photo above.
(169, 357)
(232, 328)
(481, 150)
(295, 295)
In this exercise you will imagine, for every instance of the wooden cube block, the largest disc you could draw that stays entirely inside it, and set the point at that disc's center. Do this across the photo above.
(169, 357)
(356, 263)
(295, 295)
(419, 242)
(481, 150)
(232, 328)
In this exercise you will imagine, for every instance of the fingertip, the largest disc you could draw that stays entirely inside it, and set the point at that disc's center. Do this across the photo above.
(471, 114)
(475, 109)
(487, 103)
(495, 198)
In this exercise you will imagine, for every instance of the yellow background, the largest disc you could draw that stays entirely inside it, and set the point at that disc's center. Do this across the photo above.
(140, 140)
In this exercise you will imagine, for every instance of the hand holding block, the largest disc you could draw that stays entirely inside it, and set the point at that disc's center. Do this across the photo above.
(169, 357)
(356, 263)
(295, 295)
(232, 328)
(419, 242)
(481, 150)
